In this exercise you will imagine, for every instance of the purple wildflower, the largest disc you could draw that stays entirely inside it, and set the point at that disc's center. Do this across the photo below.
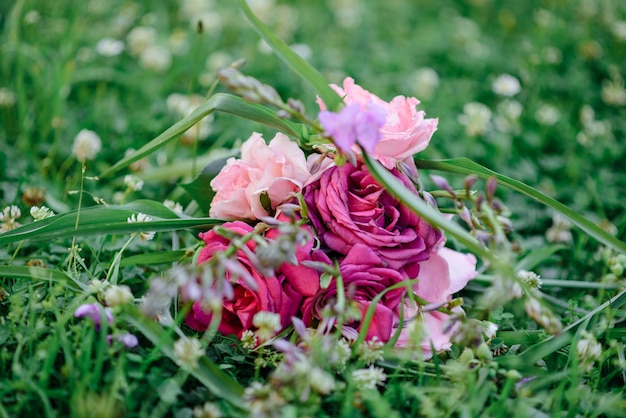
(355, 123)
(128, 339)
(95, 312)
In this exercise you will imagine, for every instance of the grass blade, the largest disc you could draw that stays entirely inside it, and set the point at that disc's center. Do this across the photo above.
(220, 102)
(293, 60)
(467, 166)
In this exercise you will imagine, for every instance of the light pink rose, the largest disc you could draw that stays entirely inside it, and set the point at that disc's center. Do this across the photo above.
(276, 170)
(444, 273)
(406, 131)
(272, 294)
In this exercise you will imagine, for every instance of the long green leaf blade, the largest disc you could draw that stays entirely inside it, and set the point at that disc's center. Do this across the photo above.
(293, 60)
(467, 166)
(220, 102)
(207, 372)
(105, 220)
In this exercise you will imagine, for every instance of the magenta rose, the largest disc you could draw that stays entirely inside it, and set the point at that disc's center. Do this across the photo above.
(348, 207)
(364, 278)
(272, 294)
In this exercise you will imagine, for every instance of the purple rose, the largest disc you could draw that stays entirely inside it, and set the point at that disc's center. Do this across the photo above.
(364, 278)
(348, 207)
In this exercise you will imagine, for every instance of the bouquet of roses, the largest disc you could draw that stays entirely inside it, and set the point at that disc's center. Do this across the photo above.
(315, 228)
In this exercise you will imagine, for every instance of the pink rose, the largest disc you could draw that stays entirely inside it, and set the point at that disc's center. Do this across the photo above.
(263, 178)
(406, 131)
(272, 294)
(347, 207)
(364, 278)
(444, 273)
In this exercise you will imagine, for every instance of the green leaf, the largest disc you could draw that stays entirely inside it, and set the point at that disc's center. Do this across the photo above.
(466, 166)
(538, 256)
(221, 102)
(200, 188)
(105, 220)
(293, 60)
(39, 273)
(207, 372)
(419, 206)
(159, 257)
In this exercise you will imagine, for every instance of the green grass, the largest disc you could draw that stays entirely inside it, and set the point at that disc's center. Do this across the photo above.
(570, 56)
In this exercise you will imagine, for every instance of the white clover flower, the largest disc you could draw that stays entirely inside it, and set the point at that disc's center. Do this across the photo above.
(542, 316)
(133, 183)
(268, 324)
(8, 218)
(303, 50)
(511, 109)
(208, 410)
(613, 92)
(188, 351)
(32, 17)
(619, 29)
(506, 85)
(248, 339)
(489, 329)
(476, 117)
(141, 217)
(589, 350)
(38, 213)
(109, 47)
(371, 351)
(368, 378)
(559, 232)
(322, 382)
(173, 206)
(425, 81)
(7, 97)
(86, 145)
(118, 295)
(217, 60)
(339, 356)
(183, 105)
(155, 58)
(532, 279)
(347, 12)
(178, 42)
(140, 38)
(547, 115)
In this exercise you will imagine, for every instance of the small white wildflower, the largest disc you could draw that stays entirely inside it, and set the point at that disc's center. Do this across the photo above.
(589, 350)
(187, 351)
(303, 50)
(510, 109)
(8, 217)
(32, 17)
(133, 183)
(86, 145)
(173, 206)
(109, 47)
(217, 60)
(155, 58)
(559, 232)
(490, 329)
(368, 378)
(40, 212)
(371, 351)
(532, 279)
(96, 285)
(506, 85)
(141, 217)
(140, 38)
(619, 29)
(118, 295)
(178, 42)
(248, 339)
(543, 317)
(338, 358)
(476, 117)
(425, 81)
(7, 97)
(613, 92)
(208, 410)
(322, 382)
(268, 324)
(547, 115)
